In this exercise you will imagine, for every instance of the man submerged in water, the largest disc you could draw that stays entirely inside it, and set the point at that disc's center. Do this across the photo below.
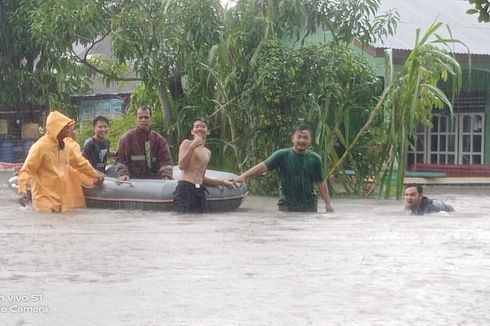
(420, 205)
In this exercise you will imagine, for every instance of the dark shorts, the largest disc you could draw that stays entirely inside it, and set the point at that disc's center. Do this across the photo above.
(284, 207)
(188, 198)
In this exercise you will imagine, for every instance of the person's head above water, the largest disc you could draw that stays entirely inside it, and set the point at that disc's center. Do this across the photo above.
(302, 138)
(200, 128)
(101, 127)
(413, 195)
(143, 118)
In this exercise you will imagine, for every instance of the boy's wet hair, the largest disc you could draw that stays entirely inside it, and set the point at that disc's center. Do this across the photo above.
(418, 186)
(145, 108)
(202, 119)
(303, 127)
(101, 119)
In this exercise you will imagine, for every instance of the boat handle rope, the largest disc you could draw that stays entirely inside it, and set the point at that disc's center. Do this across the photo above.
(119, 182)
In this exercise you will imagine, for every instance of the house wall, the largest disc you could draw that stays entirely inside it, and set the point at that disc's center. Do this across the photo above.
(478, 79)
(476, 74)
(111, 108)
(487, 138)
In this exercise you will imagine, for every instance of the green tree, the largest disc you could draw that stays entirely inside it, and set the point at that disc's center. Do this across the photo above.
(482, 9)
(408, 100)
(266, 84)
(350, 20)
(160, 40)
(33, 74)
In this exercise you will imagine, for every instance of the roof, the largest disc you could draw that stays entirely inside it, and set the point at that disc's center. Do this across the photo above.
(422, 13)
(122, 87)
(99, 87)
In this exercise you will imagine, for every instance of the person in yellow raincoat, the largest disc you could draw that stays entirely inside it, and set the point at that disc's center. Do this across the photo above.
(75, 178)
(46, 168)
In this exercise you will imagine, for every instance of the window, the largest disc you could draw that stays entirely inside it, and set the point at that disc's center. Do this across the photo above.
(442, 138)
(417, 154)
(450, 141)
(471, 138)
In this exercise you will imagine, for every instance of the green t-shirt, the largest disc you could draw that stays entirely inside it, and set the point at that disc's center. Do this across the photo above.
(298, 175)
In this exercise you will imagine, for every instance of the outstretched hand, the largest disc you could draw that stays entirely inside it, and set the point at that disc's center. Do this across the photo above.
(237, 182)
(197, 141)
(123, 178)
(229, 184)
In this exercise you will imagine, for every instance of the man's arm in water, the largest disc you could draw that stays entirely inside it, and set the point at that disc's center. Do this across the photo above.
(324, 193)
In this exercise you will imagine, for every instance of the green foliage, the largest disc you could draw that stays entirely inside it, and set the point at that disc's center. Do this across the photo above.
(161, 41)
(324, 85)
(411, 97)
(342, 89)
(164, 40)
(33, 73)
(347, 20)
(482, 9)
(266, 87)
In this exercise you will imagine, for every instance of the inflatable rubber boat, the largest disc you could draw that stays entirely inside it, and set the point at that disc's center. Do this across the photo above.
(149, 194)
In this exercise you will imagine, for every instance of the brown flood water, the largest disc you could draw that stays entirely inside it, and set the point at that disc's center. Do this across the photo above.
(369, 263)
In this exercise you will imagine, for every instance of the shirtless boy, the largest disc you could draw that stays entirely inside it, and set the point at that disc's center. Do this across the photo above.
(190, 194)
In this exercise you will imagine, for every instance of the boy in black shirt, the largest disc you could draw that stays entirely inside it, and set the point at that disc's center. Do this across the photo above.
(96, 148)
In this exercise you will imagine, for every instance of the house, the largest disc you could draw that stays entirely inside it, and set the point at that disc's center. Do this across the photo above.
(460, 144)
(19, 128)
(108, 99)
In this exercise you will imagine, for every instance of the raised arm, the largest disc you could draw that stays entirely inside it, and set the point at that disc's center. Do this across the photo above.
(185, 152)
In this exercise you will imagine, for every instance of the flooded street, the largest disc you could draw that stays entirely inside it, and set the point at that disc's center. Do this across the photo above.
(369, 263)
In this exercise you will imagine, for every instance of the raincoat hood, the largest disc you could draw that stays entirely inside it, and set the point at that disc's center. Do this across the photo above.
(55, 122)
(52, 170)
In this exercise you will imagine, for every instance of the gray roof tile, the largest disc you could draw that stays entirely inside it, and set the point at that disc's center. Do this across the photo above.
(99, 87)
(422, 13)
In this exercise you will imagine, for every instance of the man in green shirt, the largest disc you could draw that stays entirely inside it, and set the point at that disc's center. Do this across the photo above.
(299, 170)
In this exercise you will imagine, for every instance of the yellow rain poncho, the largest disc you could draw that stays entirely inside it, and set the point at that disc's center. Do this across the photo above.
(46, 168)
(75, 179)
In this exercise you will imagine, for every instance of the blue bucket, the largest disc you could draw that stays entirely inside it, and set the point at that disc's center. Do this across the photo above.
(26, 146)
(7, 154)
